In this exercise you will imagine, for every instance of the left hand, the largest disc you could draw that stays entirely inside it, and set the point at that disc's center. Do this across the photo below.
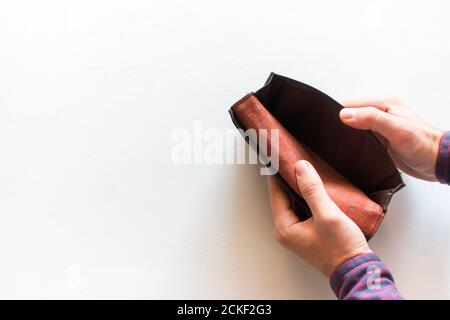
(326, 239)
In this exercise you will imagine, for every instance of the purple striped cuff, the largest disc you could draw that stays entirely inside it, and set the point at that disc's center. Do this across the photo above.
(443, 159)
(364, 277)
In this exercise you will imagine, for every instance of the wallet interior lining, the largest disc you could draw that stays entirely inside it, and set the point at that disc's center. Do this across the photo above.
(312, 117)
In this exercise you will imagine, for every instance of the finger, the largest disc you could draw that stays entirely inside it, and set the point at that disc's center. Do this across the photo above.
(364, 103)
(302, 232)
(390, 105)
(383, 104)
(313, 190)
(374, 119)
(278, 197)
(282, 213)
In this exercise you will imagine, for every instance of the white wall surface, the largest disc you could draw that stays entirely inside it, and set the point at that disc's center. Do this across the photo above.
(90, 92)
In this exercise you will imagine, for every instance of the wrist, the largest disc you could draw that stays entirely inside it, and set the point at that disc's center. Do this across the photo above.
(434, 136)
(342, 259)
(442, 167)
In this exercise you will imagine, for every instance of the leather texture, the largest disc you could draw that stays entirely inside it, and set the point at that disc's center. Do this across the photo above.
(357, 171)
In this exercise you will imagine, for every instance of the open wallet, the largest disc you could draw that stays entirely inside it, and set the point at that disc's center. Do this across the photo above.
(355, 167)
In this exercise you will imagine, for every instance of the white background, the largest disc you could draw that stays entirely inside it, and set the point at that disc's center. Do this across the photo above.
(90, 92)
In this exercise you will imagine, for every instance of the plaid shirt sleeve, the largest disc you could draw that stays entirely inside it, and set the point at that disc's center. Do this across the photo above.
(443, 159)
(364, 277)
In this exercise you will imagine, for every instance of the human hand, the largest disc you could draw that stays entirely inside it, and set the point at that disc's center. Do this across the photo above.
(411, 142)
(326, 239)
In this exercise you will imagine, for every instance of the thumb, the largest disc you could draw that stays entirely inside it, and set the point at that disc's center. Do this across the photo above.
(371, 118)
(312, 189)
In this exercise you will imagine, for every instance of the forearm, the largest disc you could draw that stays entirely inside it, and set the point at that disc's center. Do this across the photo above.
(364, 277)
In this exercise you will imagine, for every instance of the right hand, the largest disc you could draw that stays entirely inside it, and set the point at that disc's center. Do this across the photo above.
(412, 143)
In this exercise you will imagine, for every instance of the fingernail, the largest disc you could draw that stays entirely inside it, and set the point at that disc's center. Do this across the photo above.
(347, 113)
(302, 167)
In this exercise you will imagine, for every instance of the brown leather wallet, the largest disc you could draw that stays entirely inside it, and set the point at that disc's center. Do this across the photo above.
(356, 169)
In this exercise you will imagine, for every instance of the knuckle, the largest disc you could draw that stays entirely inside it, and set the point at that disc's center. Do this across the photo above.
(372, 114)
(309, 189)
(282, 235)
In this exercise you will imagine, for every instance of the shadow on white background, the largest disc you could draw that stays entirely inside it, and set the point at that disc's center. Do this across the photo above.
(256, 266)
(245, 259)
